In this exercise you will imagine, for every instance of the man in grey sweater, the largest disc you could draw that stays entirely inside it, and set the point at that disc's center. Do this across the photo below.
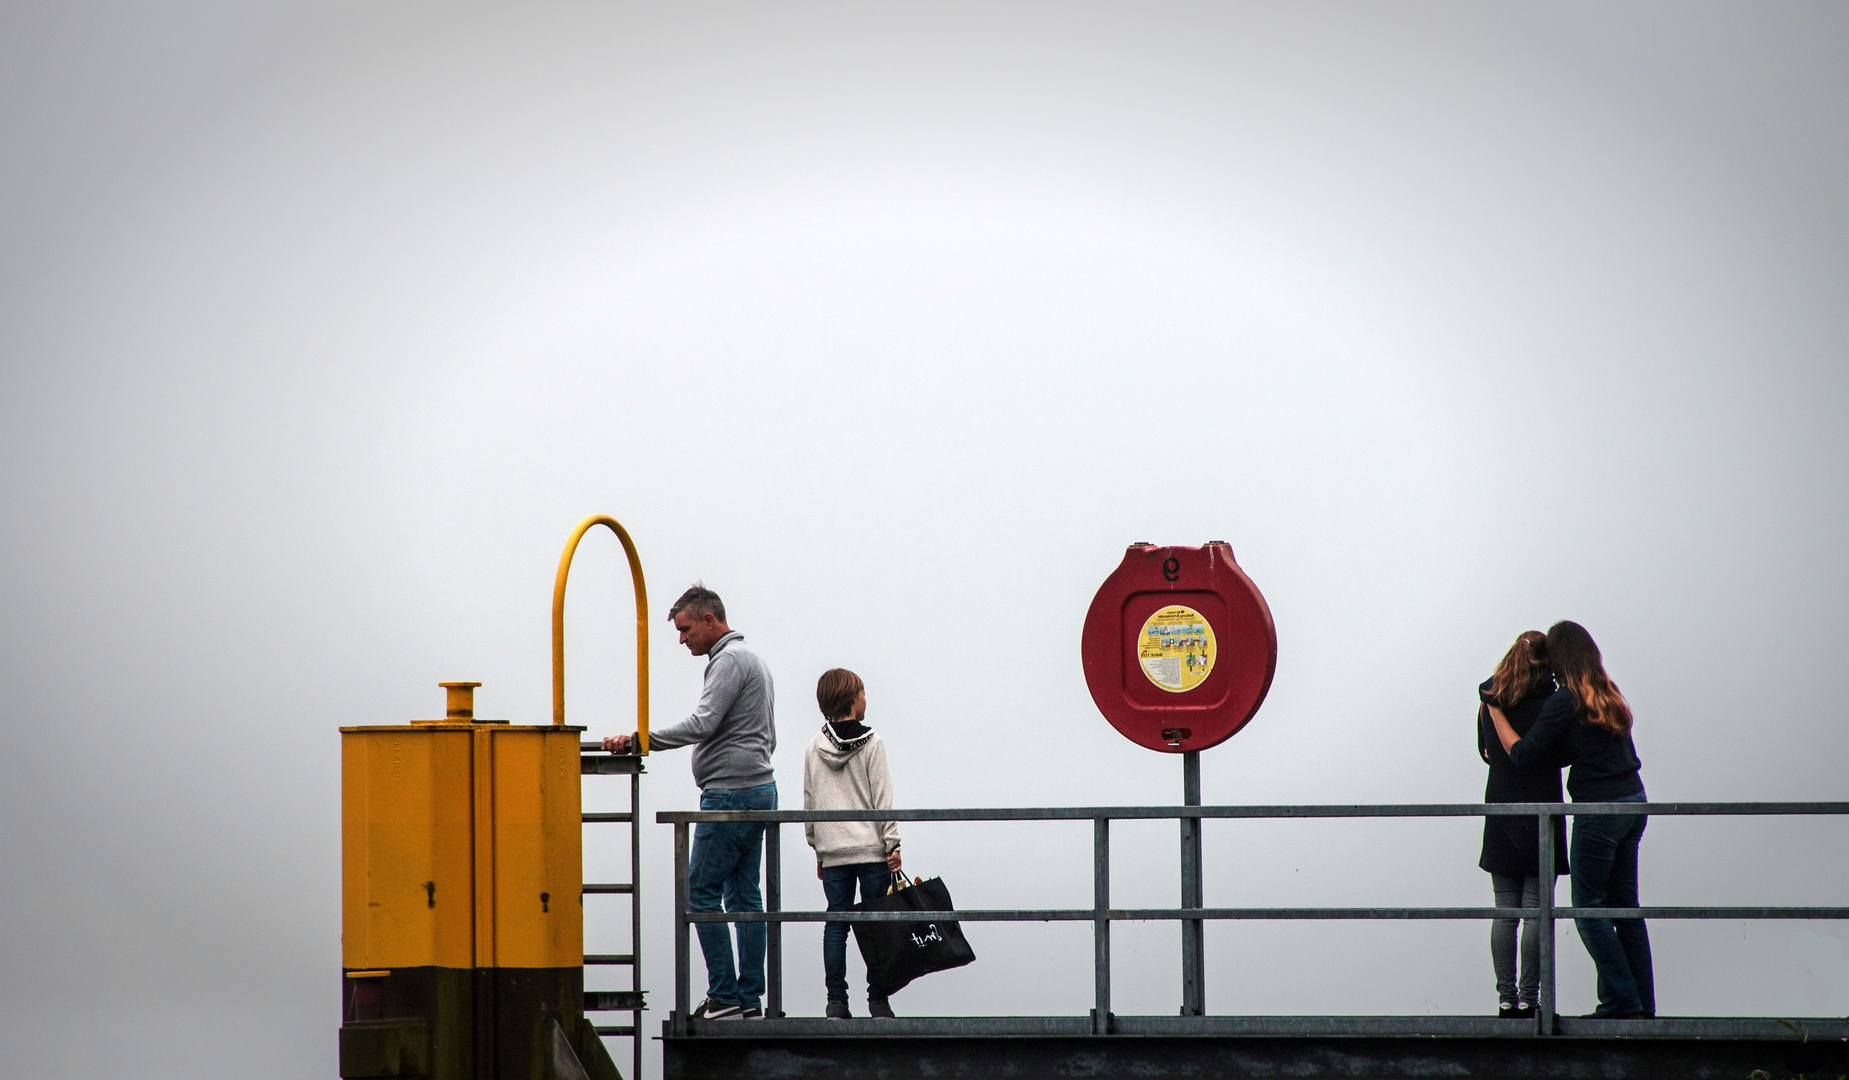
(733, 731)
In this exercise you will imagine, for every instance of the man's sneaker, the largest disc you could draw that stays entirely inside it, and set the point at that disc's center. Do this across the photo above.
(880, 1010)
(1524, 1011)
(716, 1010)
(1507, 1010)
(753, 1013)
(838, 1010)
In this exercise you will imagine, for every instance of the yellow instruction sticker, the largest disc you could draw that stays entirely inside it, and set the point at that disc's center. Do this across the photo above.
(1177, 649)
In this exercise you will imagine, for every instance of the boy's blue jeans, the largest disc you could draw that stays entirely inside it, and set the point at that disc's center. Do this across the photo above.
(1604, 862)
(838, 886)
(724, 868)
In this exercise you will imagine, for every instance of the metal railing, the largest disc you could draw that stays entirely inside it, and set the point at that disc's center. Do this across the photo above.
(1193, 1020)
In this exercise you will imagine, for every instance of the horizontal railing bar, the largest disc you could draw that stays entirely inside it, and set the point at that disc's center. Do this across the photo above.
(615, 1032)
(1755, 1028)
(622, 816)
(1377, 810)
(1428, 1026)
(609, 959)
(977, 915)
(608, 887)
(1339, 1026)
(861, 1028)
(1280, 913)
(1702, 913)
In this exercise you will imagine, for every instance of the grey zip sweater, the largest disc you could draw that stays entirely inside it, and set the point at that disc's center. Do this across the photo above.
(848, 773)
(734, 728)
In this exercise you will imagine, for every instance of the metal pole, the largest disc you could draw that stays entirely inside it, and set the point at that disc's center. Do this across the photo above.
(1101, 925)
(773, 938)
(1544, 1008)
(1193, 953)
(681, 1005)
(635, 910)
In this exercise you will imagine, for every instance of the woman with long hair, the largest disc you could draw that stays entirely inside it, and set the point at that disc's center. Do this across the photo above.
(1519, 689)
(1587, 723)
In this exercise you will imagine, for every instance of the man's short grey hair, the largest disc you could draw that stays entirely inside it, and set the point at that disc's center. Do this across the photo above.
(698, 601)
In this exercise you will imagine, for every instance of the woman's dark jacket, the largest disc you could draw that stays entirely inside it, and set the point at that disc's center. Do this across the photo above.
(1604, 766)
(1512, 845)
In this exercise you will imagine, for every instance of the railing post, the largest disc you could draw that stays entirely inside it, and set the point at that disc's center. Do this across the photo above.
(1193, 951)
(1544, 1008)
(1101, 925)
(681, 1004)
(773, 932)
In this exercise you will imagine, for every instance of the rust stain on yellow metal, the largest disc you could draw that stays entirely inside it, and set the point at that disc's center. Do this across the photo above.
(558, 623)
(452, 832)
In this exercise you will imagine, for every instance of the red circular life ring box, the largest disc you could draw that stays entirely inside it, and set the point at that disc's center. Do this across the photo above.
(1179, 647)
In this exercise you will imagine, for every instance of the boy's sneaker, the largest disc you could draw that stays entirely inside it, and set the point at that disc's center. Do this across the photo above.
(755, 1012)
(880, 1010)
(1507, 1010)
(716, 1010)
(1524, 1011)
(838, 1010)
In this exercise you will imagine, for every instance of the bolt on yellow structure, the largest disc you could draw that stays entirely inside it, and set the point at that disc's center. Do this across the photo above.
(462, 887)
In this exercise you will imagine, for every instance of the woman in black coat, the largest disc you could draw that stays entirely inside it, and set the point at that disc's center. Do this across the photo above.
(1587, 724)
(1512, 845)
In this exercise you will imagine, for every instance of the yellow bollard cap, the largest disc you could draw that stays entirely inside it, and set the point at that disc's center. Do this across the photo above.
(461, 705)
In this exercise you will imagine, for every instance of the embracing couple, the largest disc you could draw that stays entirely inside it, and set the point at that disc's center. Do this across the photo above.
(1550, 706)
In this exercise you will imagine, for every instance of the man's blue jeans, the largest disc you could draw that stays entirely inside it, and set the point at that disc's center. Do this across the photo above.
(838, 886)
(723, 869)
(1604, 862)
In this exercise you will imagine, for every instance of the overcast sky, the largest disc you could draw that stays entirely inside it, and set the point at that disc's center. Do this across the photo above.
(321, 324)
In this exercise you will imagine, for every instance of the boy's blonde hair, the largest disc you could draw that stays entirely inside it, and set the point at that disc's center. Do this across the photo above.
(835, 692)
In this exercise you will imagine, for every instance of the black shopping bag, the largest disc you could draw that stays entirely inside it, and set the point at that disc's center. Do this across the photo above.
(898, 952)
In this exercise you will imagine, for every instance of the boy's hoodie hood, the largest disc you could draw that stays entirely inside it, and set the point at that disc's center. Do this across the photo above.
(844, 740)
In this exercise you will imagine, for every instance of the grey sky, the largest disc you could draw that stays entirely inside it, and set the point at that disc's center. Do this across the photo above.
(322, 324)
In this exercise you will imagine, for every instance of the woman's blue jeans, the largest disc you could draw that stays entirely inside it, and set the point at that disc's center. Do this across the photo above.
(838, 887)
(1604, 861)
(723, 869)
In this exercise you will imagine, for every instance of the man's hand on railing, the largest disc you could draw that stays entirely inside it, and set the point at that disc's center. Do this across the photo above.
(619, 744)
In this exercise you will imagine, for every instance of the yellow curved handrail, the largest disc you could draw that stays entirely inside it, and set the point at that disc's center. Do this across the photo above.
(558, 624)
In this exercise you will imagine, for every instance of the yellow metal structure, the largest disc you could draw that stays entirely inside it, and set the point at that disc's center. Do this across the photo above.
(461, 846)
(462, 884)
(558, 623)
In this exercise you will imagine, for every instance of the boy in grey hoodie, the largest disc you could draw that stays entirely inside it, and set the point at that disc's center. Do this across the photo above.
(845, 769)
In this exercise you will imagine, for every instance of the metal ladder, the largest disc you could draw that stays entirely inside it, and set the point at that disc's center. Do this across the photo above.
(593, 761)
